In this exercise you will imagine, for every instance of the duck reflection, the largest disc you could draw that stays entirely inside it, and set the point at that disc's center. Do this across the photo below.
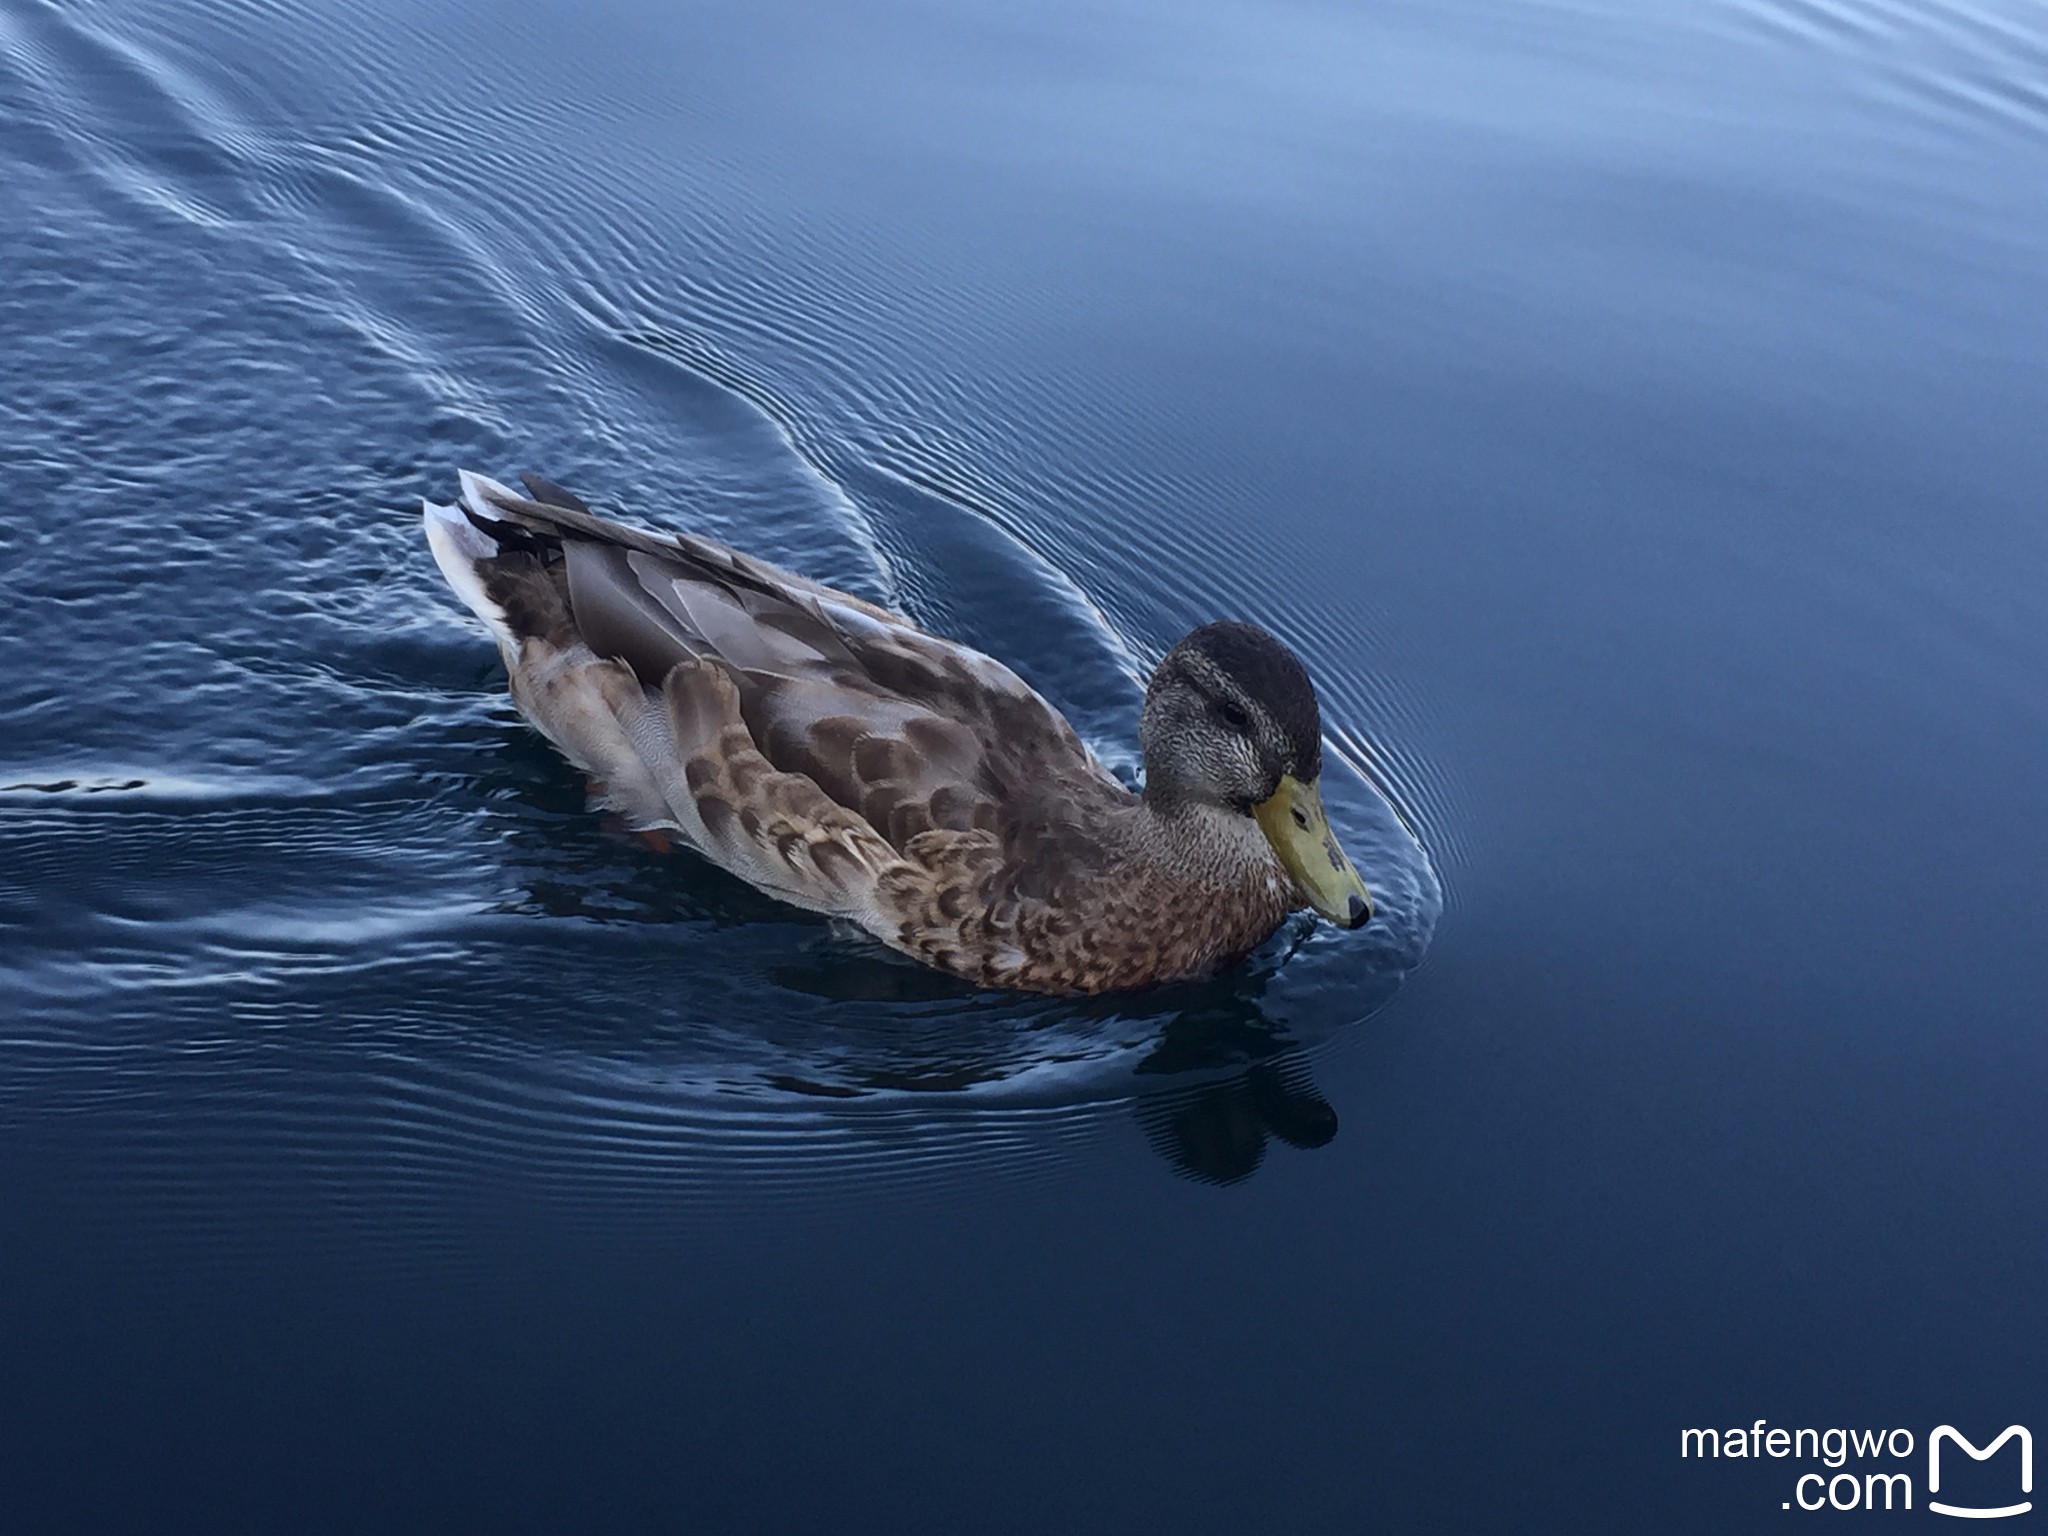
(1216, 1132)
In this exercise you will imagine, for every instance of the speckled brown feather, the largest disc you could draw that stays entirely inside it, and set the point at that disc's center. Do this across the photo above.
(836, 755)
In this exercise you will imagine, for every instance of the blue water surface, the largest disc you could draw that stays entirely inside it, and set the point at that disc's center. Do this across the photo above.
(1632, 413)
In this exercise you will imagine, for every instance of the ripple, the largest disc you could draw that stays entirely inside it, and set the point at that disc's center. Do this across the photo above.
(275, 855)
(173, 958)
(1961, 65)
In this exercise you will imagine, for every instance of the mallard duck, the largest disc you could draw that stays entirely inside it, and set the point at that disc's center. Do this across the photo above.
(836, 755)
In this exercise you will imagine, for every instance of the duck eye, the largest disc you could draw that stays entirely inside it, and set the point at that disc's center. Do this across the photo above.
(1233, 715)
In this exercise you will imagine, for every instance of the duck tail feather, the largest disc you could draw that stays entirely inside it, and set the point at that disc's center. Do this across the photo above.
(485, 498)
(458, 546)
(549, 494)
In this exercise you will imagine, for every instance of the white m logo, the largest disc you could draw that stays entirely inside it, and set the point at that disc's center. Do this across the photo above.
(1949, 1432)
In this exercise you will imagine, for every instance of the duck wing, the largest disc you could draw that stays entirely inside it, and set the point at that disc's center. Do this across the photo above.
(767, 715)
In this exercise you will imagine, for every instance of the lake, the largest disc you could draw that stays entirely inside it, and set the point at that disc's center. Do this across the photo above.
(1632, 414)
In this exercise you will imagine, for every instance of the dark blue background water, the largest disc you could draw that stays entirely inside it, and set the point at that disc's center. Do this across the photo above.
(1633, 413)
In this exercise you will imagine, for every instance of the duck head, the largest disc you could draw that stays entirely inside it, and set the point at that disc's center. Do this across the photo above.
(1230, 723)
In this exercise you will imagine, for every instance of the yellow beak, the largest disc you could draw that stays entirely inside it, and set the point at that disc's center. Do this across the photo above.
(1295, 825)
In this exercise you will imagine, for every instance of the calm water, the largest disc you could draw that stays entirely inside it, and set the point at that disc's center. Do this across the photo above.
(1636, 415)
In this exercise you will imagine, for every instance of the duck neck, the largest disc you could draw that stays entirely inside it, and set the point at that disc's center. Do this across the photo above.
(1207, 845)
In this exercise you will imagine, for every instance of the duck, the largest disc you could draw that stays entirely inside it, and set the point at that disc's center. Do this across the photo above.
(844, 759)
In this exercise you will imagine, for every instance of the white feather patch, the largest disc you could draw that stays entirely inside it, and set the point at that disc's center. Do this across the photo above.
(457, 545)
(478, 489)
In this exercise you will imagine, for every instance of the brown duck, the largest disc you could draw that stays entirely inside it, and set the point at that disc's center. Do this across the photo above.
(834, 754)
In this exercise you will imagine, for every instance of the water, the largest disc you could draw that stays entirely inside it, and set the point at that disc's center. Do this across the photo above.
(1633, 417)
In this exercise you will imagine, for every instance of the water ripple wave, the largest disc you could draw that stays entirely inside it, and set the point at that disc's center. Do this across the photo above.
(272, 844)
